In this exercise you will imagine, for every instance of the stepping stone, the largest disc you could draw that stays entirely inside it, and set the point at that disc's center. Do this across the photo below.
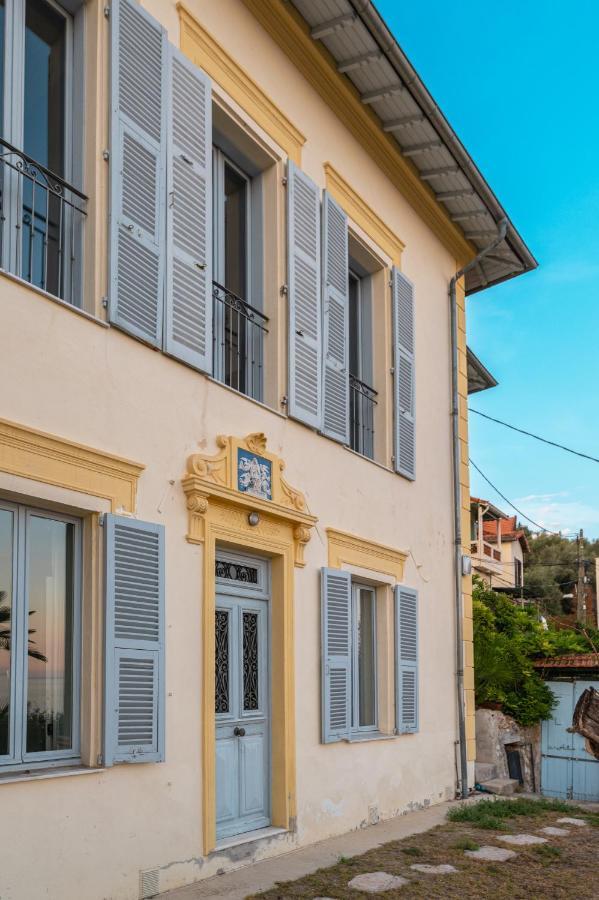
(555, 832)
(443, 869)
(492, 854)
(567, 821)
(377, 882)
(521, 839)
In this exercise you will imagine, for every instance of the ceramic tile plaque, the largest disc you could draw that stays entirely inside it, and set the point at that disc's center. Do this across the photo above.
(254, 474)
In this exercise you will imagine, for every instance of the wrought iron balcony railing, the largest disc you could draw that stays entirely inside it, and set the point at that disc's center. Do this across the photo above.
(41, 219)
(239, 331)
(362, 401)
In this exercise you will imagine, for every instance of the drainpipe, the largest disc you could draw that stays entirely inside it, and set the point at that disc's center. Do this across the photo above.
(457, 509)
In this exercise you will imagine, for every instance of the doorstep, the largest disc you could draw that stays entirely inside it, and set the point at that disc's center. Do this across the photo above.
(261, 876)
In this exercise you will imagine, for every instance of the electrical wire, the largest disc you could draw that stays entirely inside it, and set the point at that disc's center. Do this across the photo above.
(536, 436)
(509, 502)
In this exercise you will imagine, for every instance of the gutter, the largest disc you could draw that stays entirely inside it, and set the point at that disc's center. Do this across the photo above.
(457, 509)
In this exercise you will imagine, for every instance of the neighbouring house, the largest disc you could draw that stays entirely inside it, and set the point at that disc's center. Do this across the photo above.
(497, 546)
(232, 607)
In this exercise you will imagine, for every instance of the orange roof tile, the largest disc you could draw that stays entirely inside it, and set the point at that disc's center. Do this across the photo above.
(569, 661)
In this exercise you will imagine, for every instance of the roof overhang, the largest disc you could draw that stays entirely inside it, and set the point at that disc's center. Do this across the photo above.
(479, 377)
(366, 52)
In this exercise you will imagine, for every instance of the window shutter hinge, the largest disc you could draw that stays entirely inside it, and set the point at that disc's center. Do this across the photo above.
(105, 302)
(106, 12)
(101, 519)
(392, 370)
(391, 282)
(284, 290)
(284, 179)
(284, 401)
(105, 155)
(100, 759)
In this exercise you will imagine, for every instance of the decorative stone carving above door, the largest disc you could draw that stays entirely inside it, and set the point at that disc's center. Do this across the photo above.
(241, 478)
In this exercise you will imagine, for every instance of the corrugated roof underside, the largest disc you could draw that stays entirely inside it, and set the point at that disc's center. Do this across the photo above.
(359, 58)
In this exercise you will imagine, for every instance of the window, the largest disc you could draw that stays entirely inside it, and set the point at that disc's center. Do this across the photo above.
(518, 572)
(39, 636)
(42, 213)
(239, 326)
(364, 717)
(362, 397)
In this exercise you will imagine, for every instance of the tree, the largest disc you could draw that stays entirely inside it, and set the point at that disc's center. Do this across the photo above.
(507, 640)
(5, 631)
(551, 568)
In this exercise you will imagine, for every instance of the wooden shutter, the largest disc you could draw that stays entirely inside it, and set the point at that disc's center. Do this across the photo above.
(189, 214)
(404, 409)
(336, 654)
(137, 171)
(335, 293)
(134, 641)
(406, 659)
(305, 307)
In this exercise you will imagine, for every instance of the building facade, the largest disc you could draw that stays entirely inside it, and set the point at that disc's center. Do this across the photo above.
(498, 547)
(227, 615)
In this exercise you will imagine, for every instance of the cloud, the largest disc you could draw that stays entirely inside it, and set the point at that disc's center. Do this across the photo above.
(566, 516)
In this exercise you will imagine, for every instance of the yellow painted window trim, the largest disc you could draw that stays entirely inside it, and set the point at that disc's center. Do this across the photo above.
(292, 34)
(218, 515)
(349, 549)
(362, 214)
(203, 50)
(54, 460)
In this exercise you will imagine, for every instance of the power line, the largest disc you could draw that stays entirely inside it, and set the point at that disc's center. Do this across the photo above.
(509, 502)
(536, 436)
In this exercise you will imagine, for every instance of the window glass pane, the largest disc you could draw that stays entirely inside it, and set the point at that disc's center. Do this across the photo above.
(354, 325)
(6, 606)
(50, 581)
(43, 140)
(45, 72)
(235, 232)
(366, 657)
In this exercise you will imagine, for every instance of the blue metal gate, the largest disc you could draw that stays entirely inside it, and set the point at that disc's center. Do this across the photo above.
(567, 770)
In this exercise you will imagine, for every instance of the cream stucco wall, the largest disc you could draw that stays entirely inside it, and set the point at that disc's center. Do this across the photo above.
(89, 835)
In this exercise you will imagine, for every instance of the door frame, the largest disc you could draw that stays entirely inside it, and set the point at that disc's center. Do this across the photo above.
(224, 533)
(275, 524)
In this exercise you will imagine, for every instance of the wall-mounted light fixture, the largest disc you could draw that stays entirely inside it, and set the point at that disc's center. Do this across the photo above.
(254, 518)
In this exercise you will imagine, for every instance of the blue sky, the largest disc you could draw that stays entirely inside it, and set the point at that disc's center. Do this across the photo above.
(519, 83)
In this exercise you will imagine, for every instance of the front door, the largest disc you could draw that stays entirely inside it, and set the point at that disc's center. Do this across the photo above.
(242, 696)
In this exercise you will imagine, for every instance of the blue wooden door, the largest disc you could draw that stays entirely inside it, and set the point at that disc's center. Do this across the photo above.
(242, 711)
(567, 770)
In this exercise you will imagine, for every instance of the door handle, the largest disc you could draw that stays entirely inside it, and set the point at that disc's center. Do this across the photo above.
(238, 732)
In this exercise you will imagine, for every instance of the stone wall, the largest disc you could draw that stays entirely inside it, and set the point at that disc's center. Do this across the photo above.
(494, 732)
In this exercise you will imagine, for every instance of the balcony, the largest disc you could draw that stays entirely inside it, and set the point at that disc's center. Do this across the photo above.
(238, 341)
(486, 557)
(41, 225)
(362, 401)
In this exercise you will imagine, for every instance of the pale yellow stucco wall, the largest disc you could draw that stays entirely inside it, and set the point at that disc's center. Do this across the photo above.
(89, 835)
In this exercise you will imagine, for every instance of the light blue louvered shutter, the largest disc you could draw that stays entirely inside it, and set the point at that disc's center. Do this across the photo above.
(406, 659)
(134, 688)
(335, 295)
(404, 376)
(137, 171)
(189, 214)
(305, 306)
(336, 654)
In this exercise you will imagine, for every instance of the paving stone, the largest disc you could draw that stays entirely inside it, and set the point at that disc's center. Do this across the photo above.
(521, 839)
(567, 821)
(443, 869)
(493, 854)
(556, 832)
(377, 882)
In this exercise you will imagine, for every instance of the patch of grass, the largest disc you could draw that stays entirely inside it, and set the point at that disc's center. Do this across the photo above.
(592, 819)
(412, 851)
(492, 814)
(466, 844)
(548, 851)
